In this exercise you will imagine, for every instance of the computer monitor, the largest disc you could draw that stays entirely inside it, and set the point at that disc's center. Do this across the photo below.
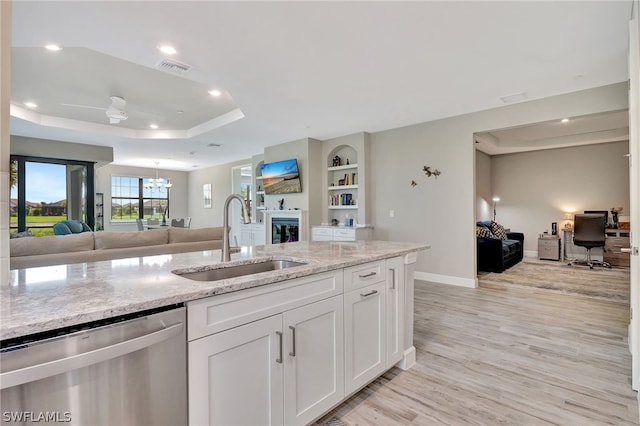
(602, 212)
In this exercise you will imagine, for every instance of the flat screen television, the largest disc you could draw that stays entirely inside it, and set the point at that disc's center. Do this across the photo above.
(281, 177)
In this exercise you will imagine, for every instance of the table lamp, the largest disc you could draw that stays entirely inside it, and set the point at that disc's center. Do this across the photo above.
(569, 220)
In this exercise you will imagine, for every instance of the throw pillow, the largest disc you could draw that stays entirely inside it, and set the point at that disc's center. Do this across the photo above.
(483, 232)
(498, 230)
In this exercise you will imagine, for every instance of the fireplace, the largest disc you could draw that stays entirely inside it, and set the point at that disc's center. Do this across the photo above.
(284, 229)
(285, 226)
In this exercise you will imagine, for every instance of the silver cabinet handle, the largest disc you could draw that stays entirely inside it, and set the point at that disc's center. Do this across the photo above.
(293, 341)
(279, 359)
(371, 293)
(370, 274)
(625, 250)
(393, 278)
(58, 366)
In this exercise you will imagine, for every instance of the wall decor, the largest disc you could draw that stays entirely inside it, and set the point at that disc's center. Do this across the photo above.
(206, 195)
(428, 172)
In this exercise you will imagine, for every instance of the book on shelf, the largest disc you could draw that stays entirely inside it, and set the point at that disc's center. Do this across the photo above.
(350, 179)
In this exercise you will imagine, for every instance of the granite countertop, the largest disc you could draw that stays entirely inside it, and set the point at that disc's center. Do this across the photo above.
(52, 297)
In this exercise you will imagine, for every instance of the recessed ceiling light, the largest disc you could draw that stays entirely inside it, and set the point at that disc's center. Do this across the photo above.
(215, 93)
(180, 111)
(169, 50)
(153, 126)
(53, 47)
(565, 120)
(31, 105)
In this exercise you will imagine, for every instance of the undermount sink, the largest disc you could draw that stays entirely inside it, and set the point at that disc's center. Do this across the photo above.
(222, 272)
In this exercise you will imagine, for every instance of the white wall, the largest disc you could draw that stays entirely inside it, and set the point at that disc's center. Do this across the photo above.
(178, 198)
(5, 100)
(484, 192)
(592, 177)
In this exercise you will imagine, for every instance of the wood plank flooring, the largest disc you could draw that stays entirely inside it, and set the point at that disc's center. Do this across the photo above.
(507, 355)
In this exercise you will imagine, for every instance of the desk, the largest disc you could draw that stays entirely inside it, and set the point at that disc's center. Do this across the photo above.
(614, 240)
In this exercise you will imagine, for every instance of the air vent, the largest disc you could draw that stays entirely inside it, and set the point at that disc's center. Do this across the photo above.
(173, 66)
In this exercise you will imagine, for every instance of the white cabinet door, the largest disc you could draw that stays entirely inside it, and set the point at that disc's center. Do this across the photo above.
(235, 376)
(365, 335)
(314, 360)
(258, 234)
(394, 299)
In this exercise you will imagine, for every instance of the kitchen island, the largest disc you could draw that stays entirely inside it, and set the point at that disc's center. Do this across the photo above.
(295, 341)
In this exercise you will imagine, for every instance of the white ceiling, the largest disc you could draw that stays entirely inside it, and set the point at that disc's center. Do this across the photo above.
(290, 70)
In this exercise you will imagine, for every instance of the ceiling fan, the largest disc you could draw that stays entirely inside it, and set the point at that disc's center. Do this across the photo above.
(116, 112)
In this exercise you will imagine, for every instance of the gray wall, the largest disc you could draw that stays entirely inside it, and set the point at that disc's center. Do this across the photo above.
(484, 192)
(537, 188)
(221, 186)
(442, 212)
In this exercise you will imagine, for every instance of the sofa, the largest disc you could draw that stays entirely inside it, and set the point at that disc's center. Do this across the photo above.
(28, 252)
(498, 249)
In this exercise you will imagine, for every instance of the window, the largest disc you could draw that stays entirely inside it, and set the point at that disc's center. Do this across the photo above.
(129, 193)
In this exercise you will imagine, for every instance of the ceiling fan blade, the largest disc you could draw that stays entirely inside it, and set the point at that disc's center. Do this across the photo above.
(118, 103)
(83, 106)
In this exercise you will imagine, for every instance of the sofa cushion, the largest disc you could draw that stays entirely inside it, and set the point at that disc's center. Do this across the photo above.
(187, 235)
(51, 244)
(483, 232)
(510, 247)
(115, 239)
(498, 230)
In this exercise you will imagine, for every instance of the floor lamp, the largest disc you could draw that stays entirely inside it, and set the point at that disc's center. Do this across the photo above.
(495, 201)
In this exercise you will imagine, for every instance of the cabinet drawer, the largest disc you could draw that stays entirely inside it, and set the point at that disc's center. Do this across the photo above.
(344, 234)
(327, 232)
(217, 313)
(362, 275)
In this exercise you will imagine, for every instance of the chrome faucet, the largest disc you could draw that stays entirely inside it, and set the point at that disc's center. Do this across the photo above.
(226, 250)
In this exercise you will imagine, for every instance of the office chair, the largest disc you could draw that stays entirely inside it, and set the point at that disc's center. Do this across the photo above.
(588, 232)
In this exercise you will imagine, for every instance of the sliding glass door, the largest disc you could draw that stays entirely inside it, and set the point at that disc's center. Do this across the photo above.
(45, 191)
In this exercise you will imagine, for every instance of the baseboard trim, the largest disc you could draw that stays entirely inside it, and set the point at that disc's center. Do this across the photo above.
(446, 279)
(408, 359)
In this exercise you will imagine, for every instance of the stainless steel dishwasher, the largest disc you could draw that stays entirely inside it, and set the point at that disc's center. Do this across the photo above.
(131, 370)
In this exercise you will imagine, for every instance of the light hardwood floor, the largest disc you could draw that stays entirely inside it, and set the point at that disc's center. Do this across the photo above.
(508, 355)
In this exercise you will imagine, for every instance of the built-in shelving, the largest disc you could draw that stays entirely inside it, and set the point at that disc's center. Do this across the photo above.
(350, 206)
(343, 167)
(342, 187)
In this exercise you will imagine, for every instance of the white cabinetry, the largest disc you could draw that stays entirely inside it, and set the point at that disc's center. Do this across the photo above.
(288, 352)
(394, 301)
(365, 335)
(286, 368)
(227, 370)
(333, 233)
(313, 358)
(252, 234)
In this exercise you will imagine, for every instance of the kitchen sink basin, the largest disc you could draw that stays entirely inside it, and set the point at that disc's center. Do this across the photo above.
(222, 272)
